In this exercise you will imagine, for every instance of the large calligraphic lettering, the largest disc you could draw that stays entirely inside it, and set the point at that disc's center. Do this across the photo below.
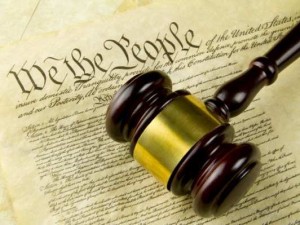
(82, 69)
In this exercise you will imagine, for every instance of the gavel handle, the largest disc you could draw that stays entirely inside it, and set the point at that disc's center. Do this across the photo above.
(287, 50)
(233, 97)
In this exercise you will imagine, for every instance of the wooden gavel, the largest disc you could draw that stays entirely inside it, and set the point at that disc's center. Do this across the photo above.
(187, 144)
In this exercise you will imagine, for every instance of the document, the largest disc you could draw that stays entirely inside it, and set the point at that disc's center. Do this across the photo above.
(35, 17)
(58, 165)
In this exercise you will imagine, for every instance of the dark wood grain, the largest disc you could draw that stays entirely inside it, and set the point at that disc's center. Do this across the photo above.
(234, 97)
(137, 103)
(215, 171)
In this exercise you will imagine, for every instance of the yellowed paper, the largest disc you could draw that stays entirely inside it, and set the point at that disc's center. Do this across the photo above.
(61, 167)
(34, 17)
(131, 4)
(6, 214)
(14, 18)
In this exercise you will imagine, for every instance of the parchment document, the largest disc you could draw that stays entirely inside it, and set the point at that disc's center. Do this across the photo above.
(61, 168)
(33, 17)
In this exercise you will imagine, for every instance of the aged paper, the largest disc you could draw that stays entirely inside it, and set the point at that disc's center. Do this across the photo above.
(33, 17)
(59, 165)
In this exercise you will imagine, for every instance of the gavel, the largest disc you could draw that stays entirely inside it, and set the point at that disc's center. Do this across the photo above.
(186, 143)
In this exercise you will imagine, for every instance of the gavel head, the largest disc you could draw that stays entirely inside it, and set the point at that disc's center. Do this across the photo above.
(185, 146)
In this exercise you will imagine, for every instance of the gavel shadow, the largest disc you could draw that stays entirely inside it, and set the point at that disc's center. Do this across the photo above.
(188, 144)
